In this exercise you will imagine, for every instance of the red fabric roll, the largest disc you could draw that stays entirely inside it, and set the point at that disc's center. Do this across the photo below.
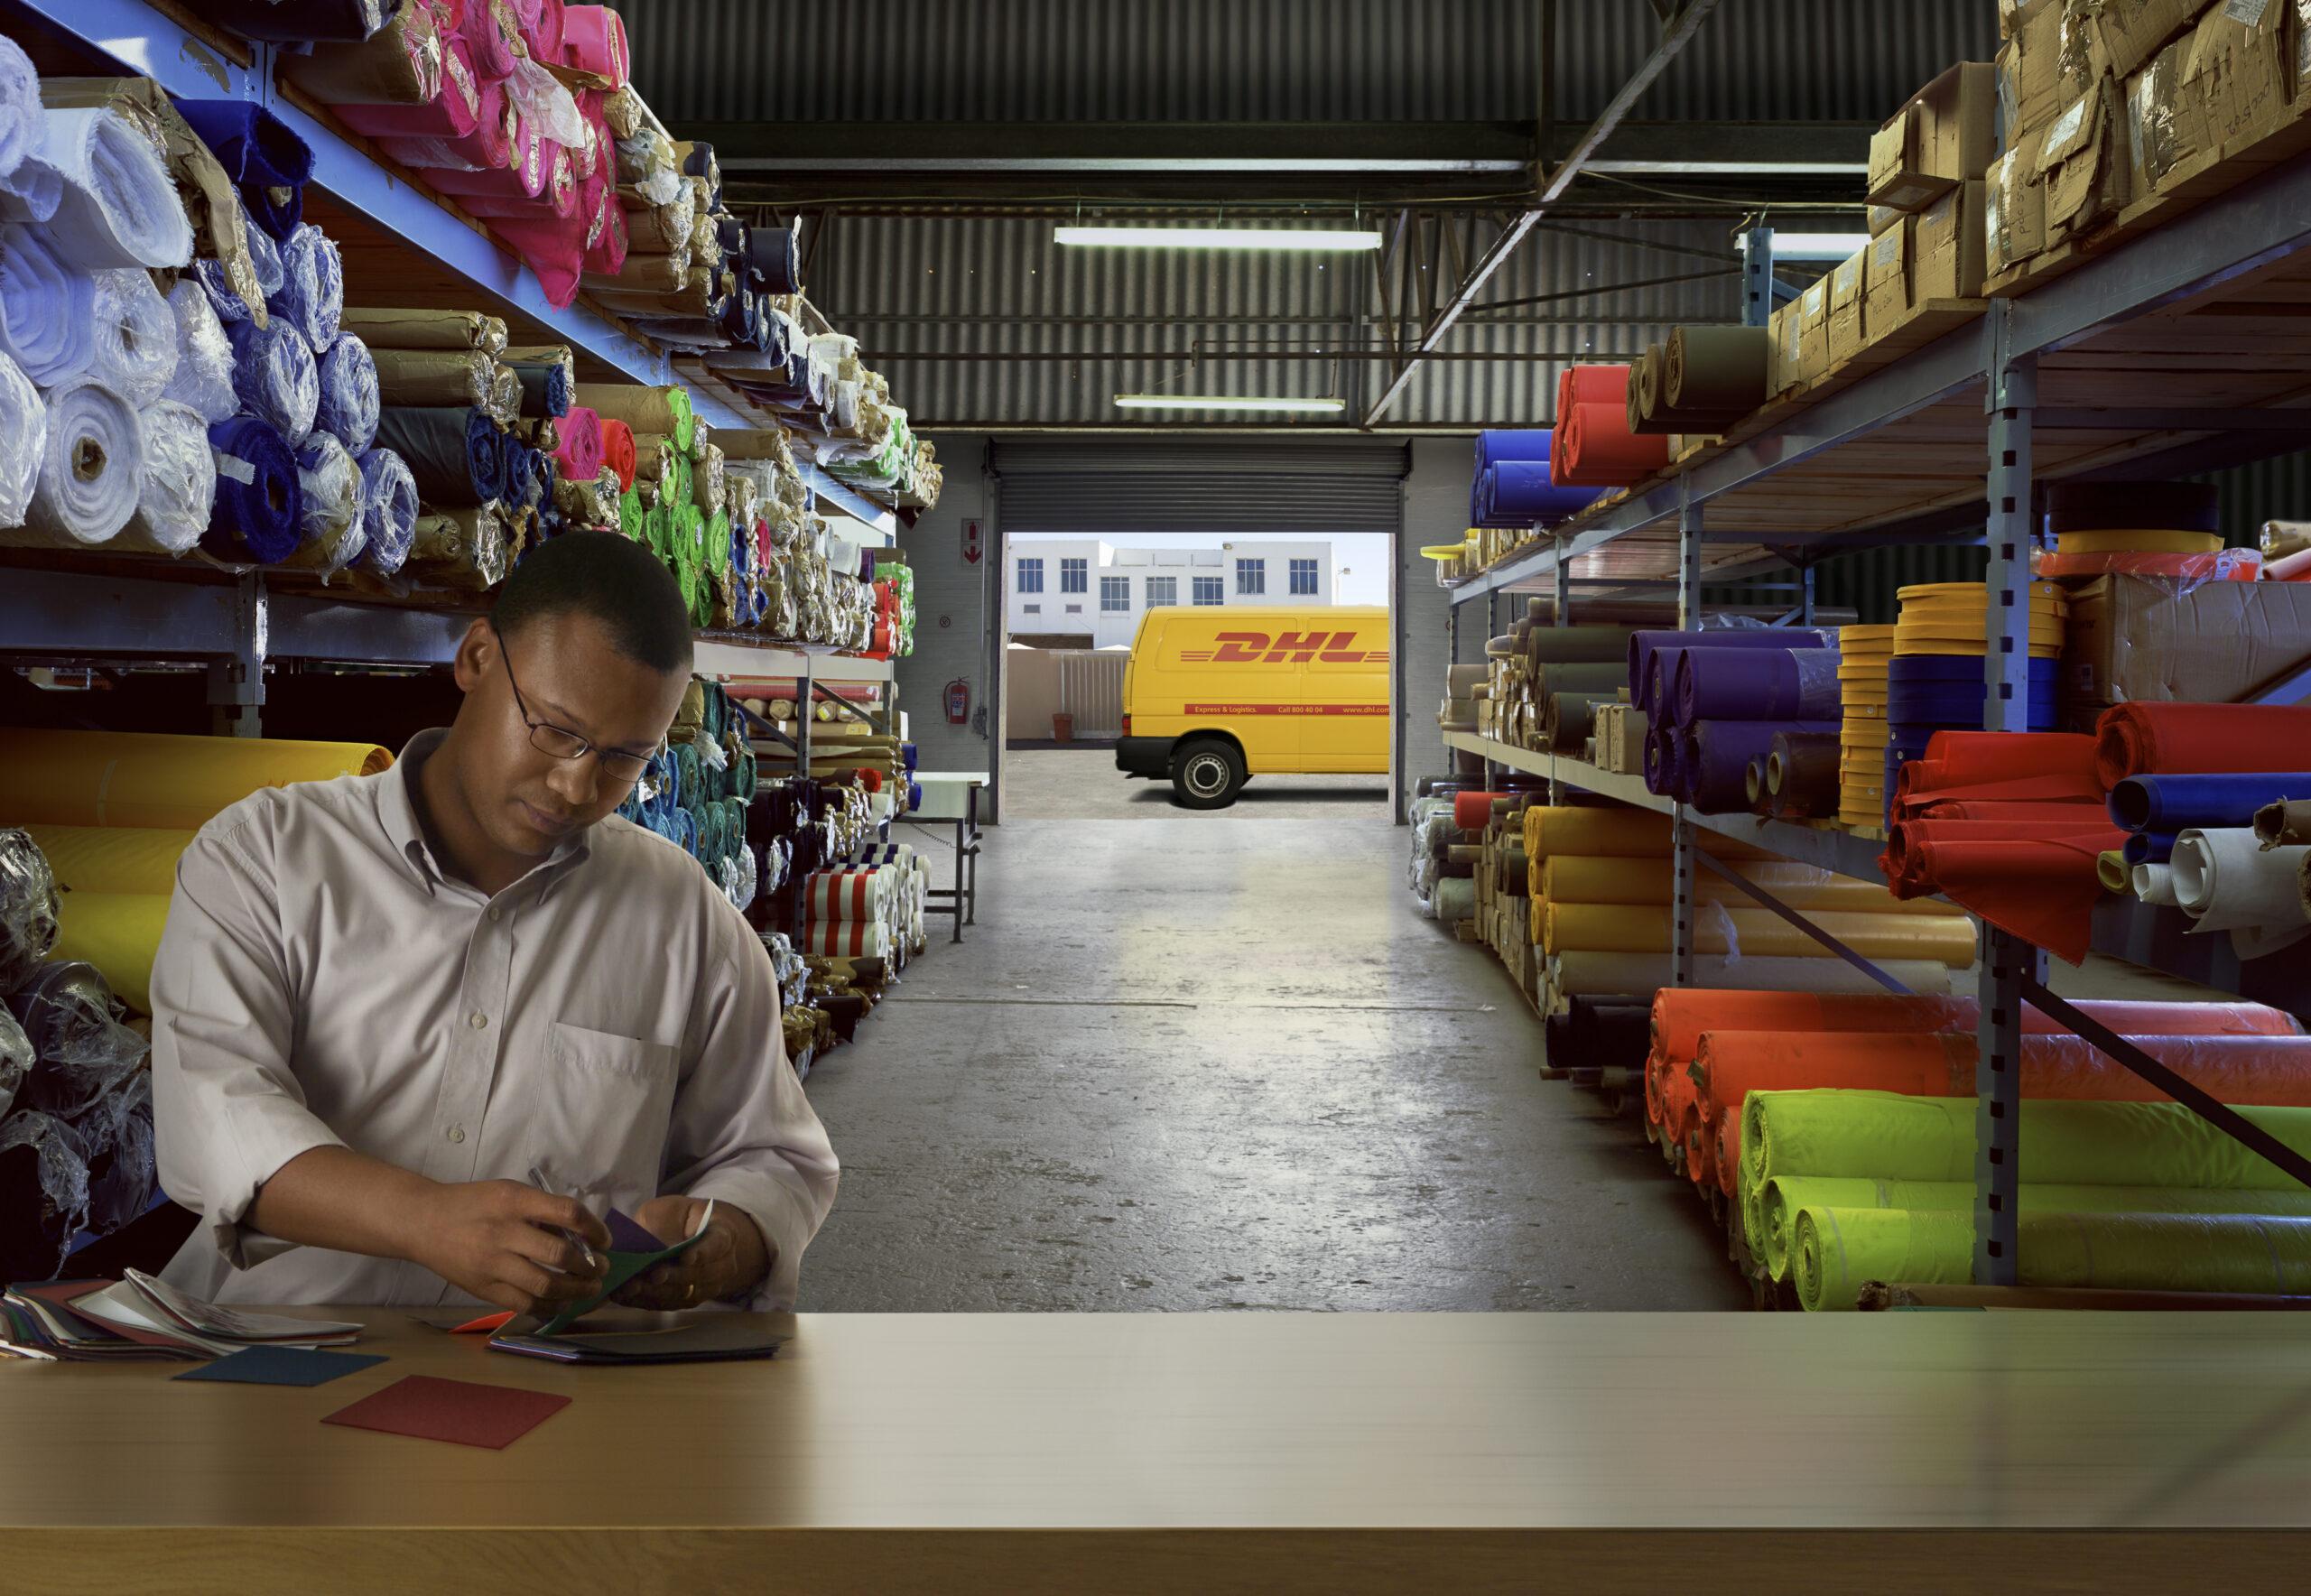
(451, 115)
(839, 895)
(1589, 385)
(594, 41)
(553, 247)
(1599, 451)
(617, 450)
(1472, 811)
(1934, 807)
(2185, 739)
(2041, 886)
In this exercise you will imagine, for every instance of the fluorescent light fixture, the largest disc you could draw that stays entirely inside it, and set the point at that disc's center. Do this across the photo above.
(1818, 247)
(1218, 237)
(1732, 168)
(1223, 402)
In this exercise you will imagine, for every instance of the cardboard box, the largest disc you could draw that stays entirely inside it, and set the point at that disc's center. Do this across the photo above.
(2014, 211)
(2055, 59)
(2132, 32)
(2239, 68)
(1814, 330)
(1899, 151)
(1950, 246)
(2084, 164)
(1958, 136)
(1782, 331)
(1884, 219)
(2132, 640)
(1847, 324)
(1885, 279)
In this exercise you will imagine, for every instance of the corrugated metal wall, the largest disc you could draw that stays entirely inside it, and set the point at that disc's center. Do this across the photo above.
(1252, 61)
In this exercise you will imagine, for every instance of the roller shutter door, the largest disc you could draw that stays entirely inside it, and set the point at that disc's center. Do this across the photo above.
(1103, 489)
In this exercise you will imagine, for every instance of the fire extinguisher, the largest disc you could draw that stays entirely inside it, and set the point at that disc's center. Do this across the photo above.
(959, 701)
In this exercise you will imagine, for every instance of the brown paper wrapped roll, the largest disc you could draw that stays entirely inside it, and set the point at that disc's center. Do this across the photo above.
(709, 487)
(400, 64)
(434, 376)
(1719, 369)
(504, 394)
(656, 229)
(695, 298)
(643, 273)
(626, 113)
(644, 409)
(460, 548)
(424, 330)
(655, 458)
(768, 444)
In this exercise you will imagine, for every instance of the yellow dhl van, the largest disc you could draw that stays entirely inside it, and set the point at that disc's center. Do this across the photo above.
(1213, 696)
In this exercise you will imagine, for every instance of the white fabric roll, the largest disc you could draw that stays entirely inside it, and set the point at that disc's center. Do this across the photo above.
(328, 484)
(136, 338)
(24, 435)
(19, 119)
(2155, 884)
(388, 510)
(119, 206)
(92, 468)
(47, 309)
(2224, 880)
(203, 379)
(1579, 972)
(1455, 898)
(180, 482)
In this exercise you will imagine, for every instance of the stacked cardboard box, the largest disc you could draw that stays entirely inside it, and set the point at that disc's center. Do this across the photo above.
(1927, 170)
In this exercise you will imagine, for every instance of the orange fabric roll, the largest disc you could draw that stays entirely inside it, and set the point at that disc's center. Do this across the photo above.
(1472, 811)
(2042, 886)
(1599, 451)
(1589, 385)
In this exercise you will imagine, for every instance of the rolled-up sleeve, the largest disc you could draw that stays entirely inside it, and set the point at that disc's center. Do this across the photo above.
(227, 1110)
(743, 1133)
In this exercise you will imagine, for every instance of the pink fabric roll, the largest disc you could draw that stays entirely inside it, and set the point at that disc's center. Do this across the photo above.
(493, 49)
(2290, 568)
(580, 458)
(542, 29)
(594, 41)
(762, 545)
(524, 180)
(452, 114)
(553, 247)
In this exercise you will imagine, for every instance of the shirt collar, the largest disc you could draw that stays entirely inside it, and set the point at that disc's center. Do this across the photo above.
(397, 812)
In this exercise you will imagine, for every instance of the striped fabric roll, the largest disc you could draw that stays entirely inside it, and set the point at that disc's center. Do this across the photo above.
(848, 894)
(901, 854)
(847, 939)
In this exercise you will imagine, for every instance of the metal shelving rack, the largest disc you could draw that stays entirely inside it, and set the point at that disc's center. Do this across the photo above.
(1950, 437)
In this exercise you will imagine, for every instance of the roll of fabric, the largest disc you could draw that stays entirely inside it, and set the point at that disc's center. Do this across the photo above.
(47, 308)
(388, 510)
(1571, 719)
(258, 515)
(1721, 369)
(595, 38)
(118, 933)
(1595, 878)
(179, 485)
(2176, 803)
(1626, 928)
(274, 375)
(1757, 684)
(316, 20)
(329, 488)
(312, 287)
(399, 64)
(260, 152)
(2186, 740)
(450, 112)
(847, 939)
(464, 547)
(545, 387)
(23, 445)
(91, 471)
(19, 119)
(661, 409)
(1472, 811)
(118, 205)
(457, 455)
(113, 858)
(1640, 647)
(135, 350)
(1716, 754)
(2007, 767)
(1555, 645)
(2225, 880)
(434, 377)
(579, 456)
(347, 386)
(144, 779)
(1454, 900)
(1580, 971)
(2154, 884)
(1595, 449)
(203, 377)
(2289, 822)
(1601, 677)
(1460, 679)
(1521, 493)
(1803, 774)
(866, 893)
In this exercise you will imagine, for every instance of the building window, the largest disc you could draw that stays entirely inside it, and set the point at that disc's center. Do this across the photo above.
(1251, 577)
(1075, 609)
(1074, 576)
(1032, 609)
(1303, 578)
(1208, 591)
(1031, 576)
(1163, 590)
(1115, 593)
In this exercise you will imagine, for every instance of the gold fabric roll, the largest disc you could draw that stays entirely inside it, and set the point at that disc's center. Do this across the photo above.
(1629, 928)
(425, 330)
(1577, 878)
(118, 932)
(1616, 833)
(1572, 974)
(1854, 641)
(113, 858)
(128, 778)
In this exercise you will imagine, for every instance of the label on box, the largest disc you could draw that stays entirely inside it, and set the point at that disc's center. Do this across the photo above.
(2249, 12)
(1890, 248)
(1847, 276)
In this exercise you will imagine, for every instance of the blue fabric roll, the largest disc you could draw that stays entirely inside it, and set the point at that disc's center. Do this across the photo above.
(1517, 493)
(348, 410)
(1757, 684)
(2209, 802)
(2149, 847)
(1662, 760)
(259, 512)
(1954, 705)
(311, 295)
(910, 753)
(1641, 645)
(458, 455)
(1713, 765)
(388, 510)
(1497, 444)
(260, 152)
(274, 378)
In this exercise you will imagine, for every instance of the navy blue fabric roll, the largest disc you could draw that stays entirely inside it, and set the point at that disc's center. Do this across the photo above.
(1664, 760)
(1713, 772)
(1948, 690)
(274, 376)
(259, 510)
(259, 152)
(1641, 645)
(348, 394)
(2209, 802)
(457, 454)
(1757, 684)
(545, 387)
(2149, 847)
(388, 510)
(774, 259)
(1517, 493)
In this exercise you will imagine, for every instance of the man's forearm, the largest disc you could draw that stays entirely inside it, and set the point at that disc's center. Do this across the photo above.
(348, 1202)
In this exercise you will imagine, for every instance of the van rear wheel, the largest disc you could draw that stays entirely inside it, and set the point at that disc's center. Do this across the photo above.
(1206, 774)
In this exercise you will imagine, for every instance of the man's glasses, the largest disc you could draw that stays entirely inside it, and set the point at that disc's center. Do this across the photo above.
(548, 738)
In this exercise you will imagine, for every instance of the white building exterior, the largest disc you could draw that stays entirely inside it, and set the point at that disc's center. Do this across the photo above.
(1078, 585)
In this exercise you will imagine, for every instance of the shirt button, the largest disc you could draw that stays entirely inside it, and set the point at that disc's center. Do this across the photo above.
(477, 1020)
(456, 1133)
(493, 911)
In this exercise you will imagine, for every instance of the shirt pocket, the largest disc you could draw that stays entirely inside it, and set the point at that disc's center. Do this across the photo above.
(608, 1101)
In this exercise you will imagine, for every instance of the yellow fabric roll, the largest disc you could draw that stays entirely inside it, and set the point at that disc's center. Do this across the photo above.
(1614, 833)
(1578, 972)
(113, 858)
(2138, 540)
(126, 778)
(1629, 928)
(1974, 647)
(1975, 593)
(118, 932)
(1577, 878)
(1861, 640)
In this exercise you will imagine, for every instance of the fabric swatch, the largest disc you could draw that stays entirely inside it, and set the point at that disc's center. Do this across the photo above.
(282, 1365)
(460, 1411)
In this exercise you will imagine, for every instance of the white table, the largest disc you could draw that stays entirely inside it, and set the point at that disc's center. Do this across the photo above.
(951, 796)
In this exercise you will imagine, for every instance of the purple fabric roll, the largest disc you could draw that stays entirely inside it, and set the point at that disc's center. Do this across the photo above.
(1756, 684)
(1641, 645)
(1662, 761)
(1713, 763)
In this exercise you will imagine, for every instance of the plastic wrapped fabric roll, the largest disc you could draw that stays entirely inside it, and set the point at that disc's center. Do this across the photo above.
(1757, 684)
(2225, 880)
(545, 389)
(28, 905)
(151, 779)
(595, 37)
(1641, 645)
(274, 375)
(224, 300)
(457, 455)
(119, 206)
(468, 547)
(260, 152)
(661, 409)
(1716, 368)
(135, 338)
(315, 20)
(348, 398)
(329, 488)
(20, 120)
(520, 175)
(117, 932)
(203, 377)
(388, 510)
(24, 443)
(1716, 754)
(424, 329)
(399, 64)
(1454, 900)
(179, 485)
(312, 286)
(2177, 803)
(259, 512)
(1580, 971)
(434, 377)
(471, 124)
(47, 309)
(91, 466)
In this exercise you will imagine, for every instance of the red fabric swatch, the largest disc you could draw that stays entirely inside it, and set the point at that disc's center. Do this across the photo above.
(2185, 739)
(432, 1409)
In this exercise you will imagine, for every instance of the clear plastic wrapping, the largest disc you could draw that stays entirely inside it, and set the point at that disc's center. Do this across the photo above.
(274, 376)
(180, 481)
(123, 1171)
(23, 440)
(16, 1059)
(28, 908)
(73, 1022)
(136, 336)
(329, 483)
(61, 1183)
(349, 403)
(311, 295)
(91, 470)
(47, 308)
(388, 510)
(203, 377)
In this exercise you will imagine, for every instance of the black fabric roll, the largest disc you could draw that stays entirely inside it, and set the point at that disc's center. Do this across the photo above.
(1572, 718)
(545, 387)
(1803, 776)
(1585, 676)
(457, 454)
(774, 259)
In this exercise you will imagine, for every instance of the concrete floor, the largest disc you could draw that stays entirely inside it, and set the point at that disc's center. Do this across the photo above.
(1202, 1062)
(1083, 783)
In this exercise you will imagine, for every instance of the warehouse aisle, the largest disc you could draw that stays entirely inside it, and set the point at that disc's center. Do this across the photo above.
(1217, 1063)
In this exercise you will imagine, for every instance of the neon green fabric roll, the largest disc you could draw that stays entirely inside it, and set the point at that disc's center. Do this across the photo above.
(717, 533)
(1774, 1244)
(632, 519)
(685, 428)
(1839, 1248)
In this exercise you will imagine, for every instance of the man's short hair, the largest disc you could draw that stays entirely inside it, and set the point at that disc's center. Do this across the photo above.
(604, 576)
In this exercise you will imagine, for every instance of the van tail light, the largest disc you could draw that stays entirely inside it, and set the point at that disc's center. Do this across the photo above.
(1127, 725)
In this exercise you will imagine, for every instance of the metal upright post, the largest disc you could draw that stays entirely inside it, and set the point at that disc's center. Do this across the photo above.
(237, 680)
(1681, 932)
(1805, 603)
(1562, 616)
(1757, 276)
(2012, 393)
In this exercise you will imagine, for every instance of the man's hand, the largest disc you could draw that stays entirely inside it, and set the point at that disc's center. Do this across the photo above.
(499, 1241)
(732, 1258)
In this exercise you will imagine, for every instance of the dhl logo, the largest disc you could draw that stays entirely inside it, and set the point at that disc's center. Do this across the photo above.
(1251, 648)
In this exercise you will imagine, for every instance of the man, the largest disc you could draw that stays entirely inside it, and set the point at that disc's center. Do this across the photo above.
(382, 1002)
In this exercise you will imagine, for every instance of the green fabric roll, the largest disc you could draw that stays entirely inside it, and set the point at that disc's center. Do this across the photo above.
(717, 719)
(632, 519)
(713, 828)
(1839, 1248)
(1882, 1136)
(685, 427)
(735, 833)
(717, 533)
(691, 776)
(1775, 1241)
